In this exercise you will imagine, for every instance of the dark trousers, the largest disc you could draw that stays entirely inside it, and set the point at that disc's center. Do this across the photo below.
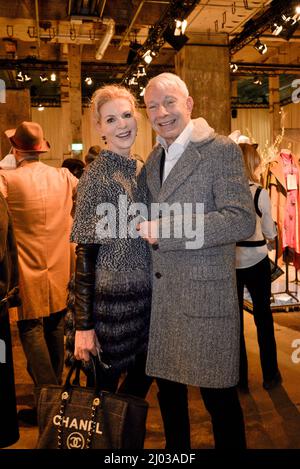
(9, 431)
(43, 344)
(222, 404)
(257, 279)
(226, 416)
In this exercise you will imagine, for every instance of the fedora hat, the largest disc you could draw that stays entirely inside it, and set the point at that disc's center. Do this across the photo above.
(28, 137)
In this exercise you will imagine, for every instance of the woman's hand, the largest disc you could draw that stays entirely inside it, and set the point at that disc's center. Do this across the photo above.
(86, 342)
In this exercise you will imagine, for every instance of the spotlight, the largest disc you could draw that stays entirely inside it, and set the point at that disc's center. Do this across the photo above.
(43, 77)
(297, 9)
(142, 92)
(180, 27)
(20, 76)
(133, 49)
(177, 42)
(233, 67)
(276, 29)
(141, 71)
(27, 77)
(260, 47)
(133, 80)
(257, 81)
(40, 107)
(53, 76)
(147, 57)
(88, 81)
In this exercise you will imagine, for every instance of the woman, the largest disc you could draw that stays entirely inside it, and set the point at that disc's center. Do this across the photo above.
(112, 281)
(9, 431)
(253, 271)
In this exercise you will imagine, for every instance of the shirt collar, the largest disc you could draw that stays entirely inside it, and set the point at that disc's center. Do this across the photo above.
(181, 142)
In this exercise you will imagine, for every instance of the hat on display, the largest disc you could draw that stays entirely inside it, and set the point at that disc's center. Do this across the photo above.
(28, 137)
(8, 162)
(237, 137)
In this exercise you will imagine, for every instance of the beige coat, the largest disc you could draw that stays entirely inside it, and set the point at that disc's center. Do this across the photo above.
(40, 200)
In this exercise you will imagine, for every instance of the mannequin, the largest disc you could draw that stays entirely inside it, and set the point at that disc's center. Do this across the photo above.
(283, 184)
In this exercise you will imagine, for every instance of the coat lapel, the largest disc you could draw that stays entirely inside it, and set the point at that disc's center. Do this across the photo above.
(186, 164)
(153, 171)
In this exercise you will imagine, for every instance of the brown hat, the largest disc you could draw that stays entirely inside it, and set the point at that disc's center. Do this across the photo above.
(28, 137)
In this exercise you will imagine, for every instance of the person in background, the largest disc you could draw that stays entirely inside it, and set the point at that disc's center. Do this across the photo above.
(253, 271)
(75, 166)
(113, 278)
(92, 153)
(9, 431)
(194, 331)
(40, 201)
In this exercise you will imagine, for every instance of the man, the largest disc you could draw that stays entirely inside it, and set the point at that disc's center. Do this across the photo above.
(40, 201)
(9, 431)
(194, 333)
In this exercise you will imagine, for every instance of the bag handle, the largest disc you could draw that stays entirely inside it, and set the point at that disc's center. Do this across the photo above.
(65, 395)
(76, 367)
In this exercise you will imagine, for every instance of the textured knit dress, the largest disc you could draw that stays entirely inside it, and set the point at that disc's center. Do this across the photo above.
(122, 296)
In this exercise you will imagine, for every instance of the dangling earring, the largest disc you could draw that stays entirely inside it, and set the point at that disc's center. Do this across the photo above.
(104, 139)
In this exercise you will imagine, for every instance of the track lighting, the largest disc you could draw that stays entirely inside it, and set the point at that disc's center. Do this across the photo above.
(260, 47)
(233, 67)
(27, 77)
(180, 27)
(53, 76)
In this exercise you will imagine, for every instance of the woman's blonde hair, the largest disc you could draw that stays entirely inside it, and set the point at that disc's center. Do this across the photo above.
(252, 160)
(107, 93)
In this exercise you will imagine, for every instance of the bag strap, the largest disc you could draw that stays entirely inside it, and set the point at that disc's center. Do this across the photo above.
(256, 197)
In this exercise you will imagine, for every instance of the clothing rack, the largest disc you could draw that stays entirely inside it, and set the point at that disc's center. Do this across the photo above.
(286, 291)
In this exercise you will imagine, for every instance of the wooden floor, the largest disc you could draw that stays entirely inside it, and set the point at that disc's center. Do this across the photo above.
(272, 418)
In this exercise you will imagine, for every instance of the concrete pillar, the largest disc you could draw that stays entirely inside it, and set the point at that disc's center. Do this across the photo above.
(274, 107)
(74, 73)
(15, 110)
(205, 69)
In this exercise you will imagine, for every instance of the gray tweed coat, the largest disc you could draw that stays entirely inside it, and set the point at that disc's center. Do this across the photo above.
(194, 331)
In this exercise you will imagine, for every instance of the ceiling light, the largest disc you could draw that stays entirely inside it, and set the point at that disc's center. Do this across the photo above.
(257, 81)
(142, 92)
(276, 29)
(53, 76)
(234, 68)
(43, 77)
(27, 77)
(260, 47)
(297, 9)
(147, 57)
(88, 81)
(141, 72)
(133, 81)
(40, 107)
(180, 27)
(20, 76)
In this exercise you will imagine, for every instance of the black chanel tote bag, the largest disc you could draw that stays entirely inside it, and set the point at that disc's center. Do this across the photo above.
(75, 417)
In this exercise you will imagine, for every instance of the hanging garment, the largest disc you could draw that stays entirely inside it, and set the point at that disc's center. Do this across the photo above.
(283, 184)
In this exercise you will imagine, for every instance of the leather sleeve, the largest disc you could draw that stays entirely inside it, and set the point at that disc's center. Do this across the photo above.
(85, 285)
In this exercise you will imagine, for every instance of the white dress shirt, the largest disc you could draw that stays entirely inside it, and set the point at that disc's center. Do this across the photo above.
(175, 150)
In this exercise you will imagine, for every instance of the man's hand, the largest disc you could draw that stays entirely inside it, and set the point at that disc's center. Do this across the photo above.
(86, 342)
(148, 230)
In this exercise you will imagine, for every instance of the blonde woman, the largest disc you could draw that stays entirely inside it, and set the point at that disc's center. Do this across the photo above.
(253, 271)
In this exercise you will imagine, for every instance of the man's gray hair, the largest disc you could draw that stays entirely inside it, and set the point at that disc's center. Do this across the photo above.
(168, 79)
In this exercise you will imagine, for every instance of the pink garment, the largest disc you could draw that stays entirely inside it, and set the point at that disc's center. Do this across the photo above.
(289, 233)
